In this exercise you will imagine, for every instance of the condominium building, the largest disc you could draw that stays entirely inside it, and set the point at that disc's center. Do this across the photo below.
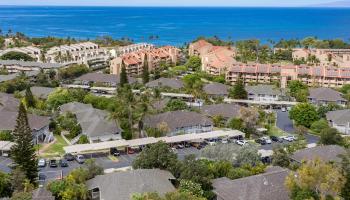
(81, 53)
(321, 76)
(215, 59)
(14, 66)
(130, 48)
(32, 51)
(326, 57)
(134, 61)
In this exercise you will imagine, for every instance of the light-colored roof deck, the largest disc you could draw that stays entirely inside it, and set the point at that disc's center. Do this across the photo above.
(149, 140)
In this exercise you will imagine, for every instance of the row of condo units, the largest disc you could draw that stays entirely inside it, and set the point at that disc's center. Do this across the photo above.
(80, 53)
(325, 76)
(134, 61)
(32, 51)
(215, 59)
(119, 51)
(337, 57)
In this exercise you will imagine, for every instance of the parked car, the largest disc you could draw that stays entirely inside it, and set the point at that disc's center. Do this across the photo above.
(180, 146)
(292, 137)
(41, 177)
(276, 139)
(288, 139)
(80, 159)
(42, 162)
(131, 151)
(260, 141)
(224, 141)
(53, 163)
(267, 140)
(200, 146)
(241, 142)
(63, 163)
(283, 109)
(115, 152)
(68, 157)
(187, 144)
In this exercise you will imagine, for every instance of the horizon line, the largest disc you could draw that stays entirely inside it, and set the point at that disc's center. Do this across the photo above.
(173, 6)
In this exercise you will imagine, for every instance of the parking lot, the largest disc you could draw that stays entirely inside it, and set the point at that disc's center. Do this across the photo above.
(125, 160)
(48, 173)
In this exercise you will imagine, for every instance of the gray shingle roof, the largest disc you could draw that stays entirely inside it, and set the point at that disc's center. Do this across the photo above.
(160, 105)
(122, 185)
(266, 186)
(177, 119)
(93, 122)
(326, 153)
(103, 78)
(325, 94)
(166, 82)
(339, 117)
(263, 89)
(8, 102)
(8, 121)
(40, 92)
(216, 89)
(30, 64)
(226, 110)
(9, 77)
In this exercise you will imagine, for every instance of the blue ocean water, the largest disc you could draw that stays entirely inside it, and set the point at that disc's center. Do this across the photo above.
(177, 25)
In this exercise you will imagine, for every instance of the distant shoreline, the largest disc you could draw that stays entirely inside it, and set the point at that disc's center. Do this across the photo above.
(190, 7)
(176, 25)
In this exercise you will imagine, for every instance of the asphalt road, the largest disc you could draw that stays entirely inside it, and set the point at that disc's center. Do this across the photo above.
(283, 122)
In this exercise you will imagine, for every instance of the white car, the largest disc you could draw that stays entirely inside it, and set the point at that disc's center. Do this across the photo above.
(224, 141)
(288, 138)
(292, 137)
(241, 142)
(42, 162)
(267, 140)
(212, 143)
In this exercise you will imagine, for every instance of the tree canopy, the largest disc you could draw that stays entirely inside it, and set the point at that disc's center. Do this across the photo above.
(315, 179)
(330, 136)
(304, 114)
(14, 55)
(194, 62)
(238, 91)
(23, 152)
(157, 155)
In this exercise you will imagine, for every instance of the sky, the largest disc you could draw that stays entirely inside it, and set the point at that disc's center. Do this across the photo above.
(278, 3)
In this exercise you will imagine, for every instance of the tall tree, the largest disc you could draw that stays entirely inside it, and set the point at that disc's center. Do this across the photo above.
(238, 91)
(123, 76)
(29, 98)
(23, 152)
(317, 178)
(145, 72)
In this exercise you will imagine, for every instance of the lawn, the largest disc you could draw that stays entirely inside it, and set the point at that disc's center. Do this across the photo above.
(56, 149)
(275, 131)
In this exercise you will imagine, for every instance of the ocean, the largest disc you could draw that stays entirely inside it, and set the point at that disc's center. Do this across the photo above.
(177, 25)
